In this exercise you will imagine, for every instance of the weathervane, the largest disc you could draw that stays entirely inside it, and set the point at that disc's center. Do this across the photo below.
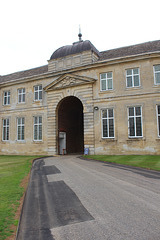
(80, 34)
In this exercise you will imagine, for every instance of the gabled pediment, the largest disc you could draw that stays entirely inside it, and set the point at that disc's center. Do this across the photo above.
(67, 81)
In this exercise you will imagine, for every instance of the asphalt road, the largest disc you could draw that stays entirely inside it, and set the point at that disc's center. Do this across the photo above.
(73, 199)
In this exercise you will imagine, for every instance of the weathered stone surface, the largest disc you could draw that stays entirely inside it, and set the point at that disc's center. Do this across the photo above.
(82, 80)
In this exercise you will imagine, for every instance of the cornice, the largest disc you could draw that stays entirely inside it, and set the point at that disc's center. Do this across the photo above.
(96, 64)
(127, 96)
(25, 109)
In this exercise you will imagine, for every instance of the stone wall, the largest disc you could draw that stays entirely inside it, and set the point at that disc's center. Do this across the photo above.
(84, 84)
(84, 93)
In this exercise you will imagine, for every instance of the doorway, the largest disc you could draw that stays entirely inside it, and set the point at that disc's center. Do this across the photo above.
(70, 122)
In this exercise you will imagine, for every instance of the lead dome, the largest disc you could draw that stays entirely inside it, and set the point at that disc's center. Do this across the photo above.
(75, 48)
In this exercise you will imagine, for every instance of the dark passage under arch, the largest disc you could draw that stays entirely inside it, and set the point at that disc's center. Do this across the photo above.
(70, 121)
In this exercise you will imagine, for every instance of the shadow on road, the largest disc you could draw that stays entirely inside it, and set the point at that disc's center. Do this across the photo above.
(48, 205)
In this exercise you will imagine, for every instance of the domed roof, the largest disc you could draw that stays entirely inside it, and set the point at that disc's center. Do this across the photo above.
(76, 47)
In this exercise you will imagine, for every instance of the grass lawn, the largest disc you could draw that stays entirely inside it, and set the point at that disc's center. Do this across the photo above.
(13, 170)
(143, 161)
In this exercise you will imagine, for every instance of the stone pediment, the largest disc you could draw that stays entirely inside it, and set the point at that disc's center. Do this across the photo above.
(67, 81)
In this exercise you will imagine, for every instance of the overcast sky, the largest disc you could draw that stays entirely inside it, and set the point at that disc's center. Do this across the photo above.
(31, 30)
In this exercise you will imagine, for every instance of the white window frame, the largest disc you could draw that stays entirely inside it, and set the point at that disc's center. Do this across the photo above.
(21, 95)
(37, 91)
(158, 121)
(132, 75)
(7, 96)
(7, 129)
(37, 125)
(108, 125)
(155, 74)
(135, 127)
(106, 79)
(21, 128)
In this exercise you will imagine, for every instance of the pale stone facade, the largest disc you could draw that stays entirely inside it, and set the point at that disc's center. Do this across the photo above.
(119, 91)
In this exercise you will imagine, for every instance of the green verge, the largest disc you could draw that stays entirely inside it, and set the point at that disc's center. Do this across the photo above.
(13, 169)
(143, 161)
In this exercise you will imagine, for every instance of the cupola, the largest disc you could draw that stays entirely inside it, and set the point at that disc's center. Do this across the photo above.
(78, 54)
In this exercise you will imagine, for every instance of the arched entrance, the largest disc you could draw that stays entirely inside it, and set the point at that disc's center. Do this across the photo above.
(70, 125)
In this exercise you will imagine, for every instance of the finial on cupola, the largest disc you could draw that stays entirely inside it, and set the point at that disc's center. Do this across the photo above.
(80, 34)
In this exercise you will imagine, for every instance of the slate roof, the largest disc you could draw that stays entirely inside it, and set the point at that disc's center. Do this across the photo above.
(131, 50)
(23, 74)
(77, 47)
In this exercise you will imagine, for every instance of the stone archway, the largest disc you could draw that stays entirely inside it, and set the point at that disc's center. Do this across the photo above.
(70, 122)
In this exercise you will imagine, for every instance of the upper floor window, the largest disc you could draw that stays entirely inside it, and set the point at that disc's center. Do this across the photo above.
(38, 92)
(6, 98)
(5, 135)
(106, 81)
(108, 123)
(38, 128)
(20, 129)
(158, 119)
(157, 74)
(132, 77)
(21, 95)
(135, 121)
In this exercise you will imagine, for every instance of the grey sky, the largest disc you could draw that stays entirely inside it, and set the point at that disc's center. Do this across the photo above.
(30, 31)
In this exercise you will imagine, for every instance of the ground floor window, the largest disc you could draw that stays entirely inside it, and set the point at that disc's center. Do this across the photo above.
(20, 129)
(158, 119)
(5, 136)
(108, 123)
(135, 121)
(38, 128)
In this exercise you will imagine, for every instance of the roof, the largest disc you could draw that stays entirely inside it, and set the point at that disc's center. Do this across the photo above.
(147, 47)
(23, 74)
(76, 47)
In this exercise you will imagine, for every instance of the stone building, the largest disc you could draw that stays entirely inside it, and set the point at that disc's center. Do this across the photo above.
(107, 102)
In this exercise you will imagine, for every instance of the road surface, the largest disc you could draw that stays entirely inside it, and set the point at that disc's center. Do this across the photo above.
(69, 198)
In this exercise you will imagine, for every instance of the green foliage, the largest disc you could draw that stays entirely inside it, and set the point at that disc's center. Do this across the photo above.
(144, 161)
(12, 170)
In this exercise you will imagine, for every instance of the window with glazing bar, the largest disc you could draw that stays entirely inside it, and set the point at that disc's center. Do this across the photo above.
(38, 92)
(132, 77)
(158, 119)
(5, 135)
(21, 95)
(135, 121)
(6, 98)
(157, 74)
(38, 128)
(20, 129)
(108, 123)
(106, 80)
